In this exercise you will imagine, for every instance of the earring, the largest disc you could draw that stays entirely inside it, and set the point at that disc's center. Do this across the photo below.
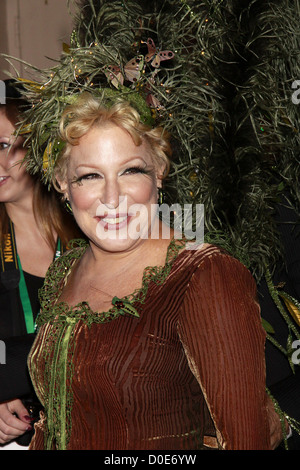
(161, 196)
(68, 206)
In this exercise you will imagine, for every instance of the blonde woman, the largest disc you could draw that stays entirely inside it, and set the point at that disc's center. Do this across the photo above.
(142, 343)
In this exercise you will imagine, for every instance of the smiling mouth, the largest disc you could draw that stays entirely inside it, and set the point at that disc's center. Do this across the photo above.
(3, 178)
(116, 221)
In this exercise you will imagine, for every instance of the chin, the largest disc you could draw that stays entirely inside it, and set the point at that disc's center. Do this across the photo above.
(117, 246)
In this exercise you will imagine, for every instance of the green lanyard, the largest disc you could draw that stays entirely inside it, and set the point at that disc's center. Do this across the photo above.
(10, 254)
(26, 304)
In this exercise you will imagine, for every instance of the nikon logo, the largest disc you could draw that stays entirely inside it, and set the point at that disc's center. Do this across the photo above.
(7, 251)
(2, 92)
(2, 353)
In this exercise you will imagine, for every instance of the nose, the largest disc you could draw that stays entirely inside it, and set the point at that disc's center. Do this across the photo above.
(3, 160)
(9, 157)
(110, 195)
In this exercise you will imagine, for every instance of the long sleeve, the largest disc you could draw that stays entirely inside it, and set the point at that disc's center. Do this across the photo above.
(220, 328)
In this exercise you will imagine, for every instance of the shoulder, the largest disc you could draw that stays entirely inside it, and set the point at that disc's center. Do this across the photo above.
(199, 255)
(60, 268)
(212, 263)
(75, 250)
(219, 288)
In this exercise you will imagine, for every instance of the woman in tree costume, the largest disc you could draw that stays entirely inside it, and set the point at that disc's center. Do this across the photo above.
(161, 63)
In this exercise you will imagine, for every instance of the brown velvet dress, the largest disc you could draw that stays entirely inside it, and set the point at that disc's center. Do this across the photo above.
(187, 373)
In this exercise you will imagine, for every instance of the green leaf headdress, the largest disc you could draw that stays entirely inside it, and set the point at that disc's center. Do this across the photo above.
(116, 51)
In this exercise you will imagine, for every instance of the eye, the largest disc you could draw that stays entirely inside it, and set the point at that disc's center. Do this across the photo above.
(4, 145)
(134, 170)
(87, 177)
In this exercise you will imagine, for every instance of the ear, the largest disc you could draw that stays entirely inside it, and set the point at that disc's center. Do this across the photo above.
(62, 186)
(160, 175)
(159, 182)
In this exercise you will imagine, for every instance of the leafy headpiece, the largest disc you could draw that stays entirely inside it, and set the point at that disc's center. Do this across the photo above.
(183, 66)
(123, 58)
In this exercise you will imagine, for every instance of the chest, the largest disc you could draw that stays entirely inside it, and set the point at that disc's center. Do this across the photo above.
(35, 255)
(128, 348)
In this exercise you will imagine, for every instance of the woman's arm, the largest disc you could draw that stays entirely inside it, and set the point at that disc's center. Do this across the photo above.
(14, 377)
(220, 328)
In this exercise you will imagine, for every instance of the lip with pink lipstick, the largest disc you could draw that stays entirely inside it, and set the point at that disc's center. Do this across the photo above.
(113, 221)
(3, 179)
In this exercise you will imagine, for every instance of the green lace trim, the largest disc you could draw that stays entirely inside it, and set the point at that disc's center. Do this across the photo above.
(59, 347)
(54, 311)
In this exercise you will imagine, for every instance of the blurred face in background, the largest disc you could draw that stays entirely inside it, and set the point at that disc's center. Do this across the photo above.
(15, 182)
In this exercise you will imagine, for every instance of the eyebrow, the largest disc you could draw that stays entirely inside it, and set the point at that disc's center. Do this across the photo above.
(87, 165)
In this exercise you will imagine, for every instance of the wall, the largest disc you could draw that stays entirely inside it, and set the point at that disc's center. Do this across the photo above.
(33, 30)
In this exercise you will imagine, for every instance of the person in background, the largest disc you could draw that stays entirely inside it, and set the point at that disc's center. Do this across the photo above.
(149, 341)
(34, 229)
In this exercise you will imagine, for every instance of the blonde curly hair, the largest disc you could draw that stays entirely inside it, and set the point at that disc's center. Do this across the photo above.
(88, 112)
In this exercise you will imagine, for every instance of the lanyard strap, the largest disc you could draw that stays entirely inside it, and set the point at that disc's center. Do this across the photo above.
(25, 300)
(9, 251)
(11, 261)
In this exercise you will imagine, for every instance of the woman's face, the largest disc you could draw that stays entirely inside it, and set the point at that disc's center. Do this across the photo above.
(15, 182)
(112, 186)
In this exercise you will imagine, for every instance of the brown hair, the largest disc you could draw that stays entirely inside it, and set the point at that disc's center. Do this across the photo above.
(48, 211)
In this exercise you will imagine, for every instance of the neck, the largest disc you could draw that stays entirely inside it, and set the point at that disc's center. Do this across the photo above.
(21, 213)
(99, 256)
(20, 209)
(148, 251)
